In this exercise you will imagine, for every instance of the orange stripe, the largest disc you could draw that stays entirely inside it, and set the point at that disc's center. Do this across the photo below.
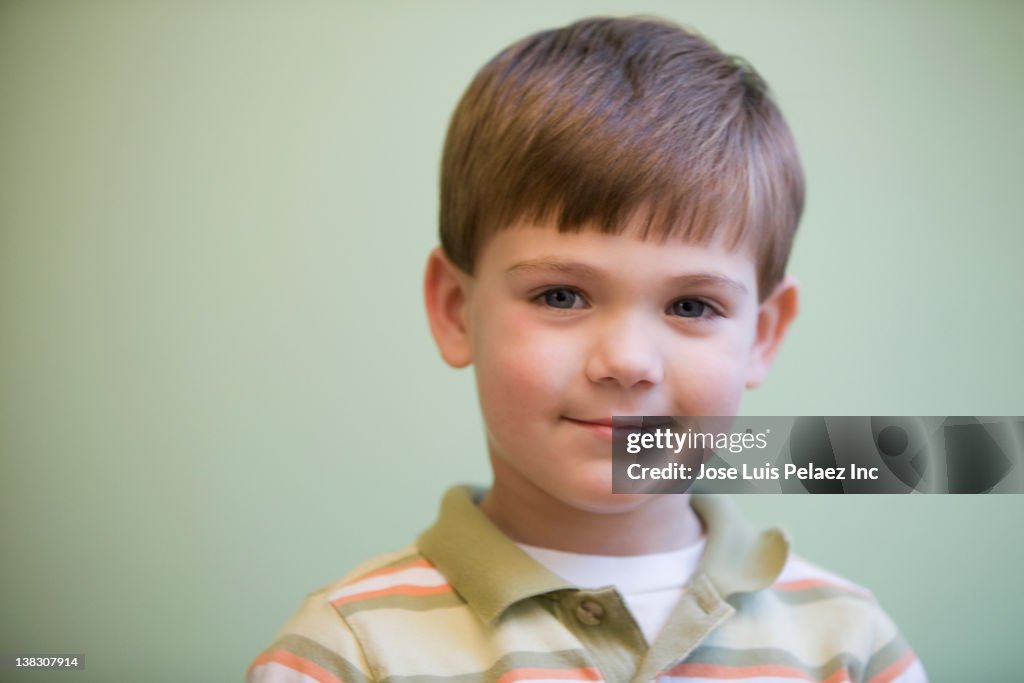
(296, 663)
(398, 589)
(895, 669)
(807, 584)
(415, 564)
(838, 676)
(737, 672)
(529, 674)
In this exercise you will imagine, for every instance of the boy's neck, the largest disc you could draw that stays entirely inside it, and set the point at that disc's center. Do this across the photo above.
(529, 515)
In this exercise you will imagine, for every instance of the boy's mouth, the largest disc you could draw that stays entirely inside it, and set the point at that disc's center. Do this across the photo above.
(605, 421)
(633, 421)
(602, 426)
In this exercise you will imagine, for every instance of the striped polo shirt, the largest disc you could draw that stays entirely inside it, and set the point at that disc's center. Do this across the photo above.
(465, 604)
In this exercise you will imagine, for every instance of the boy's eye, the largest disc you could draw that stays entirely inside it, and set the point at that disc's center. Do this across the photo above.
(689, 308)
(562, 297)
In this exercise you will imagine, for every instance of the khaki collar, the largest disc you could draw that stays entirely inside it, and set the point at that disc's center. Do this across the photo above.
(492, 573)
(482, 564)
(737, 558)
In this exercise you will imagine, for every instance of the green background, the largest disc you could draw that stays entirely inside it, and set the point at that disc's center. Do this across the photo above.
(217, 387)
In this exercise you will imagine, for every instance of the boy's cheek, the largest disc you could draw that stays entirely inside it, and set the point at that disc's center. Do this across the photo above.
(709, 383)
(522, 376)
(523, 371)
(516, 341)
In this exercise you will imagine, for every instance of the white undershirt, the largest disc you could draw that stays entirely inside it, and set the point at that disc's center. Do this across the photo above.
(651, 585)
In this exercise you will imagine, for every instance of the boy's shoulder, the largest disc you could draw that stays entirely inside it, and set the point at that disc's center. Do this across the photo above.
(318, 641)
(388, 580)
(800, 575)
(380, 564)
(818, 605)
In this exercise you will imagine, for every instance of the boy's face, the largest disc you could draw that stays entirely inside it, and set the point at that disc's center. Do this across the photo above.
(567, 330)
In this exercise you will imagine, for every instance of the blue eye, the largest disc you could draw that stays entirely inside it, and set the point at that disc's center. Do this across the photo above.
(561, 297)
(689, 308)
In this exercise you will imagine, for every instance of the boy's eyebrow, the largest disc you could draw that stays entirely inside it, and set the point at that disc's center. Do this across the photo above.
(556, 265)
(583, 270)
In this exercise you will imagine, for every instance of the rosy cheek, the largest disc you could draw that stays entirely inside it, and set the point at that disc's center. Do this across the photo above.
(510, 372)
(706, 383)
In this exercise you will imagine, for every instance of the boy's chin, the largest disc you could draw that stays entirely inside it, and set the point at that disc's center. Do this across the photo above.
(591, 492)
(604, 502)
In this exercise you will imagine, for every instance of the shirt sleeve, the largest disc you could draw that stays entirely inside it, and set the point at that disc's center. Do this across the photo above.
(316, 646)
(892, 660)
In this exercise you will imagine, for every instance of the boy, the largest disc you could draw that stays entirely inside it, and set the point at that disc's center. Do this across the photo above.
(618, 203)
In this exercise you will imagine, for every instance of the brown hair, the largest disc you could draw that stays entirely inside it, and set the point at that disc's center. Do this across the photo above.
(606, 121)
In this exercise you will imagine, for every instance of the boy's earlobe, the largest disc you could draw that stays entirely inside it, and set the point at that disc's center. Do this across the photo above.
(773, 319)
(446, 297)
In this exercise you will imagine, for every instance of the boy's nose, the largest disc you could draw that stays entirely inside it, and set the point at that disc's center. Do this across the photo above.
(624, 353)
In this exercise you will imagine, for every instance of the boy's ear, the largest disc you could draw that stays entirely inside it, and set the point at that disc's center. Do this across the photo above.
(445, 291)
(773, 318)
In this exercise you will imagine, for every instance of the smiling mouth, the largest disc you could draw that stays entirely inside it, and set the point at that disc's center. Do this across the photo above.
(631, 421)
(603, 426)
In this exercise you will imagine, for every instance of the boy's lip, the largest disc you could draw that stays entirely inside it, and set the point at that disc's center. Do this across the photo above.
(602, 426)
(605, 421)
(635, 421)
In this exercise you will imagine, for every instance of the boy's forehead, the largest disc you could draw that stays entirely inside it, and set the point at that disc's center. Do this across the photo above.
(531, 247)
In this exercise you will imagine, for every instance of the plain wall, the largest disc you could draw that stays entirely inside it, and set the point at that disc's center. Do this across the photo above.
(217, 386)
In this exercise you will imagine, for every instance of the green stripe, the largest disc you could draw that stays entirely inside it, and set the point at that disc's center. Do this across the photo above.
(802, 597)
(321, 656)
(886, 656)
(416, 603)
(724, 656)
(562, 659)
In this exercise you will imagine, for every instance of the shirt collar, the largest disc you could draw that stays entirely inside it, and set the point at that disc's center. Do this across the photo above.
(738, 558)
(492, 573)
(481, 563)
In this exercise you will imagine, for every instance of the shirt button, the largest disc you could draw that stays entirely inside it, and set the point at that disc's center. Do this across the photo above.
(590, 612)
